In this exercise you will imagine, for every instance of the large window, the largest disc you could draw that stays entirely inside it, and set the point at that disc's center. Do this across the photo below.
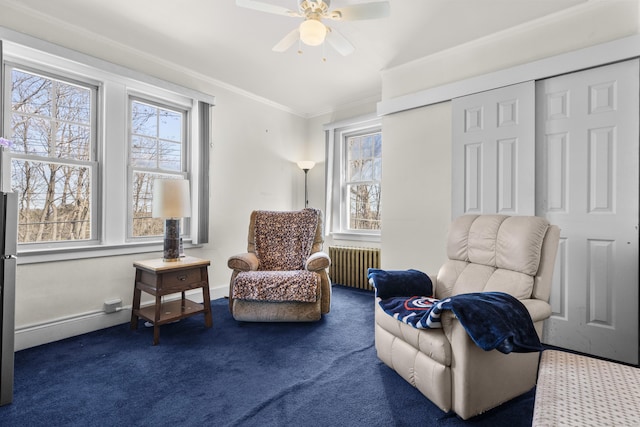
(156, 150)
(88, 141)
(52, 156)
(354, 175)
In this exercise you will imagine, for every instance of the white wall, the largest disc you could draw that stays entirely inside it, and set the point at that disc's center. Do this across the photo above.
(417, 143)
(416, 172)
(252, 167)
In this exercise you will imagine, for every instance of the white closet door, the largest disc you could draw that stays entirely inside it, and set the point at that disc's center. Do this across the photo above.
(493, 152)
(587, 147)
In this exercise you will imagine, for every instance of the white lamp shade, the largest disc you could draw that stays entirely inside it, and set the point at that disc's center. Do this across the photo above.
(306, 164)
(312, 32)
(171, 198)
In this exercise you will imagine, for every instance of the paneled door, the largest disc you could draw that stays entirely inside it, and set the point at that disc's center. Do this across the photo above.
(493, 168)
(587, 183)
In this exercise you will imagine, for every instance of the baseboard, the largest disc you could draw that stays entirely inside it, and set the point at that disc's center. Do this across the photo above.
(59, 329)
(64, 328)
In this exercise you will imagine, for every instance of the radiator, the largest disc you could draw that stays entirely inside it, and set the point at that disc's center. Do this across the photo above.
(349, 265)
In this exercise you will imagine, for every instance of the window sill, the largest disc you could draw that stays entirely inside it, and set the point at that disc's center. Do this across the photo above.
(357, 237)
(35, 256)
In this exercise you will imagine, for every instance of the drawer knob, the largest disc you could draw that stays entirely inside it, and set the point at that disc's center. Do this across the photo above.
(182, 277)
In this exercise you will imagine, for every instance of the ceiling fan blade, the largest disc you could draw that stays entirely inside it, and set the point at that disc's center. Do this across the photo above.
(287, 41)
(339, 42)
(356, 12)
(266, 7)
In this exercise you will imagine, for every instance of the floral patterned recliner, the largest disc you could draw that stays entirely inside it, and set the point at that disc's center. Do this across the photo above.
(283, 275)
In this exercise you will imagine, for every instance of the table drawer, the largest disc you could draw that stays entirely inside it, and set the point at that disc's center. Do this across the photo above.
(179, 280)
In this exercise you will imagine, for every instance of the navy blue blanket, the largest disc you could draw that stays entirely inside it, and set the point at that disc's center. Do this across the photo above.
(399, 283)
(493, 320)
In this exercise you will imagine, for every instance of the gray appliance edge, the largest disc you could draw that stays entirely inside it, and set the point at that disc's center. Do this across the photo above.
(8, 250)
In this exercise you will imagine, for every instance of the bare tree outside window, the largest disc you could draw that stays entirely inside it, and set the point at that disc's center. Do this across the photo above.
(51, 157)
(364, 173)
(157, 144)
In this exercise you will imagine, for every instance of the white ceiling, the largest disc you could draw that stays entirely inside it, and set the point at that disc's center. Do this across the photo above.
(232, 45)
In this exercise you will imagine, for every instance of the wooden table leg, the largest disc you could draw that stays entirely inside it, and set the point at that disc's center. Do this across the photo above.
(135, 306)
(206, 301)
(206, 298)
(156, 326)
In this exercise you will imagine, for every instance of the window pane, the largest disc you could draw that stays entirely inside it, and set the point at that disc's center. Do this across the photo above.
(144, 225)
(364, 154)
(355, 170)
(377, 169)
(73, 142)
(144, 152)
(170, 157)
(364, 207)
(170, 125)
(72, 103)
(54, 201)
(143, 222)
(377, 148)
(363, 175)
(367, 170)
(367, 146)
(157, 145)
(144, 119)
(31, 94)
(354, 148)
(156, 137)
(31, 135)
(51, 122)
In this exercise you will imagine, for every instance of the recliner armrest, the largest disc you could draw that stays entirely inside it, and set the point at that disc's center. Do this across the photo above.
(317, 261)
(538, 309)
(244, 262)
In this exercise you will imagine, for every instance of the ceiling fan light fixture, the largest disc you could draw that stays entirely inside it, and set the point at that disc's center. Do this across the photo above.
(312, 32)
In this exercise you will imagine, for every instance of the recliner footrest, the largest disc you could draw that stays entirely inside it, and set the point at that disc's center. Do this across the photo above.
(276, 286)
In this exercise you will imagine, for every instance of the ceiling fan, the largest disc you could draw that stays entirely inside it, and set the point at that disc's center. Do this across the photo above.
(312, 31)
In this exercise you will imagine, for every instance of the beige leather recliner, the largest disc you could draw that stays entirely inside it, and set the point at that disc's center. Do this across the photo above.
(511, 254)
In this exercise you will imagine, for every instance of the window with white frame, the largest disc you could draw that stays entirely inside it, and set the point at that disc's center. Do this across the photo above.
(52, 156)
(157, 147)
(87, 144)
(354, 179)
(363, 160)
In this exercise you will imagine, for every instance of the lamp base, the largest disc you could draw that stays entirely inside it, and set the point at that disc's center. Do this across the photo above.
(171, 251)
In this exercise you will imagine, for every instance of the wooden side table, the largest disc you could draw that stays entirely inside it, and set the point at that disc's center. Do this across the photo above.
(159, 278)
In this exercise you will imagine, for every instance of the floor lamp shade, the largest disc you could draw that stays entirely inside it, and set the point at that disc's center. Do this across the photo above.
(171, 201)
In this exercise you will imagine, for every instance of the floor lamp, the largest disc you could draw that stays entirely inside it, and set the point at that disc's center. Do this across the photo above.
(306, 166)
(171, 201)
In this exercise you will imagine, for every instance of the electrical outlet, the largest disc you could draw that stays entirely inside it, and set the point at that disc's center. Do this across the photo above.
(112, 305)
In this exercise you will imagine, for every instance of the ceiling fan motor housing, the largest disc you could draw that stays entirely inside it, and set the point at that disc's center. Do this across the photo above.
(308, 7)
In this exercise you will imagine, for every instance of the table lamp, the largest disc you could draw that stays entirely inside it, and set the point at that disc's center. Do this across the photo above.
(172, 202)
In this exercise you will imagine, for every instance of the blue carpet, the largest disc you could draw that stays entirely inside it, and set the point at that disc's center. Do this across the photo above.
(233, 374)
